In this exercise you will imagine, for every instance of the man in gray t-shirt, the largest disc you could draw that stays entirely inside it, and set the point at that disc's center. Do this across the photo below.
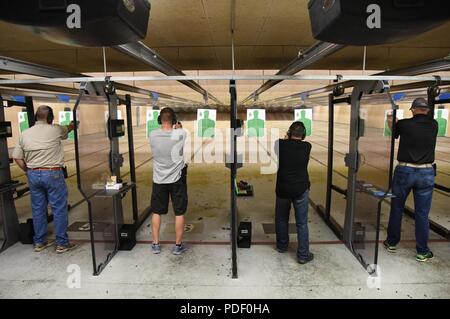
(169, 177)
(168, 160)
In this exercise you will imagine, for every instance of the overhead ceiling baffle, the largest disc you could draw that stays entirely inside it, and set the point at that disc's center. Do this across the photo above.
(23, 67)
(143, 53)
(42, 87)
(427, 67)
(313, 54)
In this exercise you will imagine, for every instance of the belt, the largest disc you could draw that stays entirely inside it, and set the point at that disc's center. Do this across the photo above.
(415, 165)
(47, 169)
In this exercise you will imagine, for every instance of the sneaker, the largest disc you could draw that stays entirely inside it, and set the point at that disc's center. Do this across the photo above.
(156, 248)
(307, 260)
(40, 247)
(424, 257)
(282, 250)
(179, 249)
(60, 249)
(389, 248)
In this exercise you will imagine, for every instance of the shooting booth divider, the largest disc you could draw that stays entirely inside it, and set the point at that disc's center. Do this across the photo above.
(97, 159)
(9, 222)
(359, 191)
(233, 158)
(370, 164)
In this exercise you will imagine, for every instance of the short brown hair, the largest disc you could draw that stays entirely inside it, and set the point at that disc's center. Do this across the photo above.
(167, 115)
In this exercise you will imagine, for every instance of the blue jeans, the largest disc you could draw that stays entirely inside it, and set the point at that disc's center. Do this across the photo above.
(282, 210)
(421, 182)
(48, 187)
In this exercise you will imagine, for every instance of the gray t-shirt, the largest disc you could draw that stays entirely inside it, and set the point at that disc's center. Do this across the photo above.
(168, 159)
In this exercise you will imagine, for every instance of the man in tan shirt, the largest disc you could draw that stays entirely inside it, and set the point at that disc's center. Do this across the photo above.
(40, 153)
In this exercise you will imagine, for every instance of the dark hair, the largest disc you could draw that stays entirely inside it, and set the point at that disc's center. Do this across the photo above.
(167, 115)
(297, 129)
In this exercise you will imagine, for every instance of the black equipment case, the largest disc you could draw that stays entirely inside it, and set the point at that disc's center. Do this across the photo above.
(346, 21)
(103, 22)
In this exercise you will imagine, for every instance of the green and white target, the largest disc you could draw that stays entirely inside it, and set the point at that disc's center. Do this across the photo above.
(206, 123)
(23, 121)
(306, 117)
(65, 117)
(256, 122)
(441, 116)
(152, 121)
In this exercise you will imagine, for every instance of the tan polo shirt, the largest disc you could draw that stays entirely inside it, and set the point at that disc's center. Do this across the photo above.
(41, 145)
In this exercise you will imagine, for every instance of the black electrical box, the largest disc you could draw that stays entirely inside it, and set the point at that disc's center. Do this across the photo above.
(81, 22)
(127, 237)
(244, 235)
(368, 22)
(5, 129)
(361, 127)
(26, 232)
(116, 128)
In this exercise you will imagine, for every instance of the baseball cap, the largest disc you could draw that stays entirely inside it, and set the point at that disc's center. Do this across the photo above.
(420, 102)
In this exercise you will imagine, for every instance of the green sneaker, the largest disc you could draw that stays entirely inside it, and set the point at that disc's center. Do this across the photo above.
(424, 257)
(40, 247)
(389, 248)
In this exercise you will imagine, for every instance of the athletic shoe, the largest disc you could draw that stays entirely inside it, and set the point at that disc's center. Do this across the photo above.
(307, 260)
(424, 257)
(389, 248)
(179, 249)
(60, 249)
(156, 248)
(40, 247)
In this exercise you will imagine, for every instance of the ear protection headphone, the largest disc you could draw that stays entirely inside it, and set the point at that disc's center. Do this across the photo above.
(289, 133)
(174, 116)
(50, 115)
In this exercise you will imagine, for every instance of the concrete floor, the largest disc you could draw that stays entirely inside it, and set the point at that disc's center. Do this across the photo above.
(205, 271)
